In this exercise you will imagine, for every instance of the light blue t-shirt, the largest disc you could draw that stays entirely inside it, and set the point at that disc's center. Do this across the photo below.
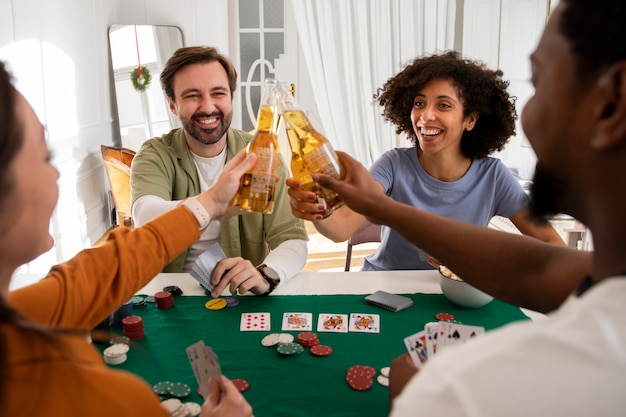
(487, 189)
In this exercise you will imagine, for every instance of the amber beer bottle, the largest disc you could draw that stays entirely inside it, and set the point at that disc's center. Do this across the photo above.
(256, 190)
(301, 173)
(316, 154)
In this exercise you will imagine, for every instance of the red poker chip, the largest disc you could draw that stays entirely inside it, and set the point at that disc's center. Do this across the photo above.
(132, 321)
(359, 382)
(321, 350)
(444, 316)
(241, 384)
(362, 370)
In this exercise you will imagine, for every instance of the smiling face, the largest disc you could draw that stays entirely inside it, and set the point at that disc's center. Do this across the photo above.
(33, 195)
(438, 119)
(203, 103)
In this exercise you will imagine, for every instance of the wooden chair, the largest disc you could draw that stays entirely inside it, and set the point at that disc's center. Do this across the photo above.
(368, 232)
(117, 162)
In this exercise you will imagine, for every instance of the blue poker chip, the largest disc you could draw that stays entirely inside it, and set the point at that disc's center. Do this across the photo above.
(232, 301)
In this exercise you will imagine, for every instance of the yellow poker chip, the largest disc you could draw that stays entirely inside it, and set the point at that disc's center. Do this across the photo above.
(215, 304)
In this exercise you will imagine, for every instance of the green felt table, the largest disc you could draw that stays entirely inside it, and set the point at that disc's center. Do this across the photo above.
(302, 385)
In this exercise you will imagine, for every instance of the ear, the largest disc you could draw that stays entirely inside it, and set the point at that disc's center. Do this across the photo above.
(172, 106)
(610, 114)
(470, 121)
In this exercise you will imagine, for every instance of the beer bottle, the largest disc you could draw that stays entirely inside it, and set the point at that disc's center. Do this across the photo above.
(316, 154)
(301, 173)
(256, 190)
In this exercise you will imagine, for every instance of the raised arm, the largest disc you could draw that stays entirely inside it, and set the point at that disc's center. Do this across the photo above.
(516, 269)
(338, 227)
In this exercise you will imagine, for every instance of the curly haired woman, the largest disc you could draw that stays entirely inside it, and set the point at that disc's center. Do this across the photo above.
(456, 112)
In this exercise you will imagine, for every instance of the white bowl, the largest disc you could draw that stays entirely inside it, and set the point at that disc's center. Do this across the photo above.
(461, 293)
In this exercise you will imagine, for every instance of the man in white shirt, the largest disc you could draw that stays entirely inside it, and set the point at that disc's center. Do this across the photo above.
(574, 362)
(262, 250)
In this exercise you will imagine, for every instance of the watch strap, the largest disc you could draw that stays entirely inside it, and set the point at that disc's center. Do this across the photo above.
(199, 212)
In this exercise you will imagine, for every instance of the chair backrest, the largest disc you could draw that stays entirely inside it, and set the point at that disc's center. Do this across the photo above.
(368, 232)
(117, 162)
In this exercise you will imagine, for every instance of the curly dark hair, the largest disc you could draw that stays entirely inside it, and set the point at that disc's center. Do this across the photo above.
(481, 90)
(603, 42)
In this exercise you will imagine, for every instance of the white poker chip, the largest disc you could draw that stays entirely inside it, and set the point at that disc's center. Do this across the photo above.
(385, 371)
(115, 360)
(285, 338)
(174, 407)
(271, 339)
(383, 380)
(193, 409)
(117, 349)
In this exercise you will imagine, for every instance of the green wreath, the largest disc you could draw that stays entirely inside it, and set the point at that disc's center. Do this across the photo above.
(141, 82)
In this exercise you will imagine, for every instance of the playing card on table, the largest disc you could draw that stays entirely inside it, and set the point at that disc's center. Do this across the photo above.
(297, 321)
(364, 323)
(416, 345)
(204, 364)
(255, 322)
(327, 322)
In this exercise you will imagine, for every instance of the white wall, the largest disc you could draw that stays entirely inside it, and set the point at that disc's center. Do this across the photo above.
(58, 53)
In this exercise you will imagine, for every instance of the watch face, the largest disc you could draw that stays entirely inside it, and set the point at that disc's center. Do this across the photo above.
(270, 273)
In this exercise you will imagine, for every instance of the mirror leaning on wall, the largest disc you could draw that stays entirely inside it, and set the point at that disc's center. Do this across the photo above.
(138, 54)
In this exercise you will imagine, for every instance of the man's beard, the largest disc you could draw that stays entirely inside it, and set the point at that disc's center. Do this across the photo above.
(208, 136)
(546, 191)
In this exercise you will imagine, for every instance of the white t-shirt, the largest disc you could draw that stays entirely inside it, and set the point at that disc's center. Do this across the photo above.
(571, 364)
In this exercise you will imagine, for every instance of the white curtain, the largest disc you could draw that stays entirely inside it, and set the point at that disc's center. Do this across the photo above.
(351, 47)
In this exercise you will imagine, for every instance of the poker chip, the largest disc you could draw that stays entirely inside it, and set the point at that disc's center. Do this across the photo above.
(444, 316)
(240, 384)
(231, 301)
(150, 299)
(178, 389)
(289, 349)
(164, 300)
(120, 339)
(162, 388)
(321, 350)
(360, 377)
(133, 327)
(308, 339)
(271, 339)
(383, 380)
(175, 408)
(385, 371)
(215, 304)
(193, 409)
(115, 354)
(174, 290)
(285, 338)
(138, 301)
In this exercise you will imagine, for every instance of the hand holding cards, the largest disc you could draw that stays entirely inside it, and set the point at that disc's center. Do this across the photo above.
(202, 270)
(436, 337)
(204, 364)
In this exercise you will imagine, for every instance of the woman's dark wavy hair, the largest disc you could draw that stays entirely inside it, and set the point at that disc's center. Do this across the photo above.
(482, 91)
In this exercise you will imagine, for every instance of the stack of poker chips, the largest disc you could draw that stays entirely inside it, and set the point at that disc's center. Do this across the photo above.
(308, 339)
(360, 377)
(133, 327)
(164, 300)
(115, 354)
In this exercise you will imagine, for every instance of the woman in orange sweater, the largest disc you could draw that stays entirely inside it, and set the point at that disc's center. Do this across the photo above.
(47, 366)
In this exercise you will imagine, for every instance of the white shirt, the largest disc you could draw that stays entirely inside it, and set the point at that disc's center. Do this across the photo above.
(285, 259)
(571, 364)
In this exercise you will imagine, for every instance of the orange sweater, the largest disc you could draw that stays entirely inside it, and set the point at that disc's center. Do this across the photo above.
(79, 294)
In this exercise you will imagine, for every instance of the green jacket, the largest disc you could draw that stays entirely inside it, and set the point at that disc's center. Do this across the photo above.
(164, 167)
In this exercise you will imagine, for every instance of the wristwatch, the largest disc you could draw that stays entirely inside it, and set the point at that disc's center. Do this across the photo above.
(270, 275)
